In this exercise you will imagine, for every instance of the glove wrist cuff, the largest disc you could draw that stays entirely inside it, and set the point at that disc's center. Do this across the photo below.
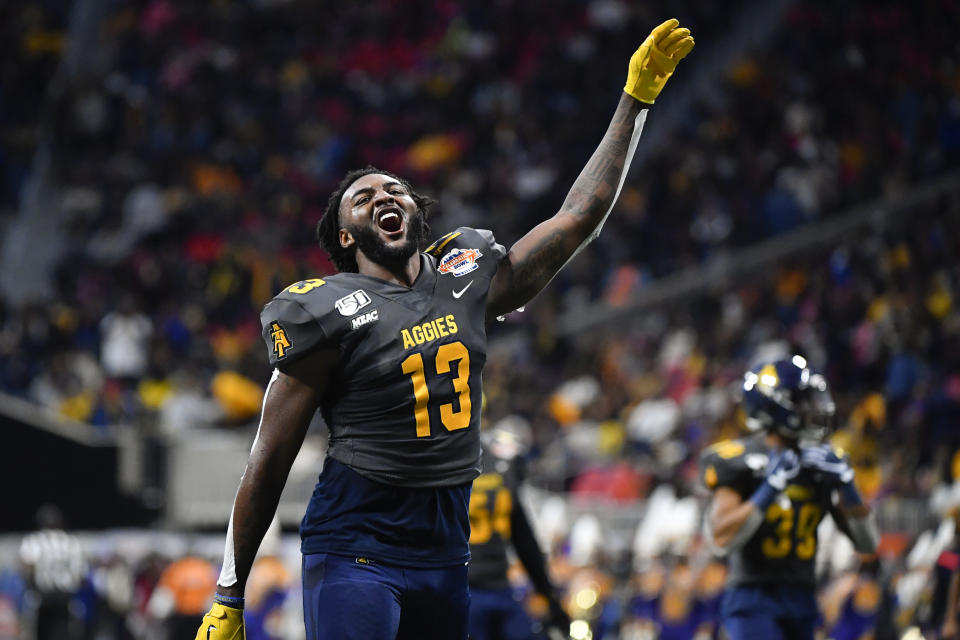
(764, 496)
(633, 94)
(228, 601)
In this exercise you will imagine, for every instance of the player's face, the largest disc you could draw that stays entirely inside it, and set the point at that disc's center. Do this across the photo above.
(380, 217)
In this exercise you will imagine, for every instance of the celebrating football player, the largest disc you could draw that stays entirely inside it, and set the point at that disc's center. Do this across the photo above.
(390, 351)
(769, 493)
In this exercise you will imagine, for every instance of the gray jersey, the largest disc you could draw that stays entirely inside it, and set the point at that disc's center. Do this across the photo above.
(403, 405)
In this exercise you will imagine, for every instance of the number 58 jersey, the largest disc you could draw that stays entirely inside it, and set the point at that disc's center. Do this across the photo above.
(403, 405)
(783, 549)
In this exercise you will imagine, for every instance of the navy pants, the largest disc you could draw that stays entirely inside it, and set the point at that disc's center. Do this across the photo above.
(347, 599)
(769, 612)
(496, 615)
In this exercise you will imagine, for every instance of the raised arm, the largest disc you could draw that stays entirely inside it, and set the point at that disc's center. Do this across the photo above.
(537, 257)
(291, 399)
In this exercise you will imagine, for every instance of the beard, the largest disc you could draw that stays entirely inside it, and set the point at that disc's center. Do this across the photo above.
(373, 246)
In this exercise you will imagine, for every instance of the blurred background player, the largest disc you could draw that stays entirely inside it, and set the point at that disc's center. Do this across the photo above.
(947, 572)
(497, 522)
(853, 605)
(675, 592)
(55, 566)
(268, 589)
(770, 492)
(385, 536)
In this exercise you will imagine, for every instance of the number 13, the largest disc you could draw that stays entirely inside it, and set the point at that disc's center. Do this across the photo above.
(446, 355)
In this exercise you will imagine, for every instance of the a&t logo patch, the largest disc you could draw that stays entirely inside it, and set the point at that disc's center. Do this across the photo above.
(280, 341)
(349, 305)
(459, 262)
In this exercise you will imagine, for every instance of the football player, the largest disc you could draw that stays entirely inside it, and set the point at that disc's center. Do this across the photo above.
(769, 493)
(498, 521)
(390, 351)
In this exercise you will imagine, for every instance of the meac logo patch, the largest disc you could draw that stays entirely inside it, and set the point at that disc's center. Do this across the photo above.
(459, 262)
(349, 305)
(366, 318)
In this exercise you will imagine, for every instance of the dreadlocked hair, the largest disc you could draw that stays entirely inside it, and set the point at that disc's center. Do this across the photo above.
(328, 228)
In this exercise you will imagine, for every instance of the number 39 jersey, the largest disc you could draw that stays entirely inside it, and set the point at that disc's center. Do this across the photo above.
(403, 406)
(784, 548)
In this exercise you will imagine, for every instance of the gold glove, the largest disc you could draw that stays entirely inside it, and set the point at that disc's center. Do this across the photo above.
(222, 623)
(653, 63)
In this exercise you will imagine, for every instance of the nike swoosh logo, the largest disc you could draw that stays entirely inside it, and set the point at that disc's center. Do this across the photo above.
(209, 629)
(457, 294)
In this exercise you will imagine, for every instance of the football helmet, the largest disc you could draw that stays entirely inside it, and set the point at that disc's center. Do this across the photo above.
(509, 438)
(788, 398)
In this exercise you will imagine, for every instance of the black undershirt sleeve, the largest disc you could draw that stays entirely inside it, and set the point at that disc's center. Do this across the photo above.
(525, 544)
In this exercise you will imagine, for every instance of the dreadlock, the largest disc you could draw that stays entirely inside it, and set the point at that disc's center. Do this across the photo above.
(328, 228)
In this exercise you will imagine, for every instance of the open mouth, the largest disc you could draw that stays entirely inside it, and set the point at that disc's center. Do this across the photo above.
(390, 220)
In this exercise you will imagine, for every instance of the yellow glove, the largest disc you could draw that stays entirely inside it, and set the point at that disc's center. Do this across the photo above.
(653, 63)
(222, 623)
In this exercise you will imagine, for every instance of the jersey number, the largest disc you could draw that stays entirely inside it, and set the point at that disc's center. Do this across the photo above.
(305, 286)
(806, 522)
(486, 518)
(451, 418)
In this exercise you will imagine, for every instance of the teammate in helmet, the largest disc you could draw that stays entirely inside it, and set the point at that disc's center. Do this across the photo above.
(770, 492)
(497, 522)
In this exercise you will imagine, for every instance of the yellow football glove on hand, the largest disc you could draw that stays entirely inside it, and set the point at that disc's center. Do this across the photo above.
(653, 63)
(222, 623)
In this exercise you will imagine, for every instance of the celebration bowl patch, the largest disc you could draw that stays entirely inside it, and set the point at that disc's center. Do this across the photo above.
(459, 262)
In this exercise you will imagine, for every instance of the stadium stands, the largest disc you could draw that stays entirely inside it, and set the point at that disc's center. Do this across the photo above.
(190, 174)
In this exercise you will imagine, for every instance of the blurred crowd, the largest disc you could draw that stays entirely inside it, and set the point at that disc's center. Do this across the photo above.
(136, 585)
(192, 169)
(32, 40)
(877, 314)
(617, 425)
(662, 584)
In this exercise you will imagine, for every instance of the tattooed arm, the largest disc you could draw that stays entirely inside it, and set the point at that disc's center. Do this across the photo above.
(541, 253)
(537, 257)
(291, 399)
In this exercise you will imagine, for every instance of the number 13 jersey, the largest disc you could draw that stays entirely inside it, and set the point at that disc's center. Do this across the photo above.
(403, 405)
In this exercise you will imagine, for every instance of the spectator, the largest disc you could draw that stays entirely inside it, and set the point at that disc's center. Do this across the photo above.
(125, 340)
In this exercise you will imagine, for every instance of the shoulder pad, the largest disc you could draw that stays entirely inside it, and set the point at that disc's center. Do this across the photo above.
(728, 461)
(341, 292)
(289, 330)
(317, 294)
(293, 321)
(460, 252)
(311, 312)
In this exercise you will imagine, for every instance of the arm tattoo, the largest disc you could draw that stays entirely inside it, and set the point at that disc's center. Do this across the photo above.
(544, 259)
(592, 193)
